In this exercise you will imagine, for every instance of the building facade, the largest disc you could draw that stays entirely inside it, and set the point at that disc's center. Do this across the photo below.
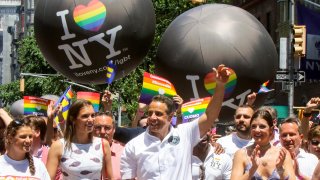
(8, 20)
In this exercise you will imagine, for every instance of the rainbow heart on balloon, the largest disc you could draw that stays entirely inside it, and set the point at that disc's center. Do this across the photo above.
(90, 17)
(210, 83)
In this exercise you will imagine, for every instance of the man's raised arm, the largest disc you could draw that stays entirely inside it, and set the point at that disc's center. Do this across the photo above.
(208, 118)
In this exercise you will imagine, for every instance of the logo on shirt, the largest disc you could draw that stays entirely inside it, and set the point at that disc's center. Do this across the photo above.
(174, 140)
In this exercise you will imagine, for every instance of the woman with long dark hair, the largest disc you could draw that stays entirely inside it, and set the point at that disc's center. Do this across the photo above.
(79, 154)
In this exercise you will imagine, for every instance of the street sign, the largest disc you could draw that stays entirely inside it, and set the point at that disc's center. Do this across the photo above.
(284, 76)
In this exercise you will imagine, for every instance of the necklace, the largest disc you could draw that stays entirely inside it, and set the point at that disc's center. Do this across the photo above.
(264, 147)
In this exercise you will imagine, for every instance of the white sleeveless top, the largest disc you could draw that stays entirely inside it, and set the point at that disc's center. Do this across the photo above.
(83, 161)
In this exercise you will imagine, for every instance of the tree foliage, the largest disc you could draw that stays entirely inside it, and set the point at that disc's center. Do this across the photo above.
(129, 87)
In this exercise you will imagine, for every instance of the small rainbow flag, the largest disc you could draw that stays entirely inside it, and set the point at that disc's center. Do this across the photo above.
(35, 105)
(194, 109)
(264, 89)
(93, 97)
(65, 101)
(154, 85)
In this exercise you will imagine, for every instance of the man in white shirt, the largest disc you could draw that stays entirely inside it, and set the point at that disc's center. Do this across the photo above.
(215, 166)
(291, 139)
(164, 152)
(241, 138)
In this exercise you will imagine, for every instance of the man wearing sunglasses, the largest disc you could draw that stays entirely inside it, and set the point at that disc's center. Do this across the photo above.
(104, 127)
(291, 138)
(241, 138)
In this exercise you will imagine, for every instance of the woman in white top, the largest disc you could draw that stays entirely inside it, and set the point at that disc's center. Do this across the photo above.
(262, 160)
(17, 162)
(79, 154)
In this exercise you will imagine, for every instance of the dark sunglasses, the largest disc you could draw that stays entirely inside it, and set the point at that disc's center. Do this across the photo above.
(315, 142)
(238, 116)
(17, 123)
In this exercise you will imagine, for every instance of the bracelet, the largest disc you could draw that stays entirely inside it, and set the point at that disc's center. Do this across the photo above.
(307, 114)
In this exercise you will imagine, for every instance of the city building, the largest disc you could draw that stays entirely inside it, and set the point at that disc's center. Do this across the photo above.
(8, 19)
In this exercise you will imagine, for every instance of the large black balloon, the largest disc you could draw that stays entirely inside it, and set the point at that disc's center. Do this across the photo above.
(79, 37)
(213, 34)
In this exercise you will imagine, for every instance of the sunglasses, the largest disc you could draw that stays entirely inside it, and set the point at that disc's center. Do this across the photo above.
(99, 127)
(17, 123)
(315, 142)
(238, 116)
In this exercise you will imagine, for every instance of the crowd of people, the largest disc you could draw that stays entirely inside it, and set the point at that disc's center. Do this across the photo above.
(92, 146)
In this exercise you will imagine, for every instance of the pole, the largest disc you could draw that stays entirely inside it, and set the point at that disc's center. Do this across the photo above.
(291, 59)
(119, 109)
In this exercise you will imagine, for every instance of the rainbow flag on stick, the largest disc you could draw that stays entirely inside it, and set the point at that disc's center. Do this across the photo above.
(93, 97)
(35, 105)
(264, 89)
(194, 109)
(154, 85)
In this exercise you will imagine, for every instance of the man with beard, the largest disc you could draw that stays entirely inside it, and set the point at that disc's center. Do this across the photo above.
(241, 138)
(291, 139)
(162, 151)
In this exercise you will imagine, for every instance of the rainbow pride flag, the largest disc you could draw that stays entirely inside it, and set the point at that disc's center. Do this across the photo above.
(35, 105)
(154, 85)
(93, 97)
(194, 109)
(264, 89)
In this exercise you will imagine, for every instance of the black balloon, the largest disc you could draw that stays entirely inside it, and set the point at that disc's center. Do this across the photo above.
(214, 34)
(79, 38)
(17, 109)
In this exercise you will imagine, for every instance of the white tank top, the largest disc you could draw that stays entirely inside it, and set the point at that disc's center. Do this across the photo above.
(83, 161)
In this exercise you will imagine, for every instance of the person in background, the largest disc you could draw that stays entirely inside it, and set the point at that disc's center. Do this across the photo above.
(104, 127)
(312, 104)
(5, 119)
(314, 141)
(241, 138)
(163, 151)
(17, 162)
(79, 154)
(207, 164)
(262, 160)
(291, 139)
(316, 173)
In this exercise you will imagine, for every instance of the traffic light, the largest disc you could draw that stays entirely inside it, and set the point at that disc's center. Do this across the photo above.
(299, 40)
